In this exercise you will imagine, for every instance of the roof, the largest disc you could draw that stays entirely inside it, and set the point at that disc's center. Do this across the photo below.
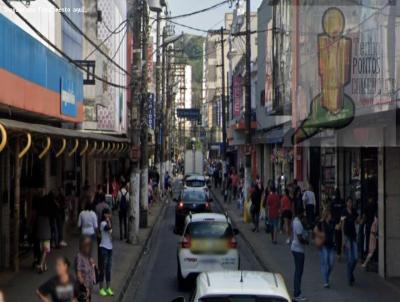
(207, 217)
(55, 131)
(254, 283)
(196, 177)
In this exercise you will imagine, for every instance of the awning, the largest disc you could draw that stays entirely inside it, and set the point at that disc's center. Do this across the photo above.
(101, 143)
(271, 136)
(62, 132)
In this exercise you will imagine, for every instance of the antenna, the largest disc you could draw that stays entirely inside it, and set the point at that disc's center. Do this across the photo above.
(241, 276)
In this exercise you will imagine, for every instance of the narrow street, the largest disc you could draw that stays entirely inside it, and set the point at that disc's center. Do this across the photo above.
(155, 279)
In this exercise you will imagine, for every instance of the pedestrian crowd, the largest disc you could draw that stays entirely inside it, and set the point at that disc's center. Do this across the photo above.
(287, 209)
(76, 280)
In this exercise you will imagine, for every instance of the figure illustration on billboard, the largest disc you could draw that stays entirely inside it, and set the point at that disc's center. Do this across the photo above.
(332, 108)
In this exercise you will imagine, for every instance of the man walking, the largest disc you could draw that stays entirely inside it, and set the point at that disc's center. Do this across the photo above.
(123, 205)
(298, 243)
(274, 207)
(256, 206)
(309, 204)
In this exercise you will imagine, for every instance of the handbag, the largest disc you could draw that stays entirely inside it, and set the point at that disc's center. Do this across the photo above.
(268, 226)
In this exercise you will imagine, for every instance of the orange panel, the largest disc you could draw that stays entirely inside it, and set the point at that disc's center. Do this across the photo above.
(20, 93)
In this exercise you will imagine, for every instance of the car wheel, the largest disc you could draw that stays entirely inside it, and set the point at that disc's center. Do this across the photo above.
(182, 284)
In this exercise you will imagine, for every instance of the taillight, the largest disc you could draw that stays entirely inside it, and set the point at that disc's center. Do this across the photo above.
(186, 243)
(232, 243)
(180, 205)
(207, 205)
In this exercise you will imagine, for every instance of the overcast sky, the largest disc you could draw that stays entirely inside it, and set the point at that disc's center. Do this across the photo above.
(209, 20)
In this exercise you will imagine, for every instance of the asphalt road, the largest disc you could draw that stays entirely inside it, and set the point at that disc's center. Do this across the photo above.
(155, 277)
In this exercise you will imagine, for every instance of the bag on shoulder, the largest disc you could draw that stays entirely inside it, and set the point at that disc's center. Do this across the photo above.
(319, 237)
(268, 226)
(123, 203)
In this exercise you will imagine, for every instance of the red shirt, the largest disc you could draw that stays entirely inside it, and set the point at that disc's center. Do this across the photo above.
(274, 206)
(286, 203)
(235, 180)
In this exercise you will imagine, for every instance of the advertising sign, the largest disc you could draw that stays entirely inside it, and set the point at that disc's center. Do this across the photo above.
(152, 111)
(346, 65)
(68, 101)
(237, 95)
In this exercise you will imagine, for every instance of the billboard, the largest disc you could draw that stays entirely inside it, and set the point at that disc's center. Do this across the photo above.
(346, 69)
(68, 100)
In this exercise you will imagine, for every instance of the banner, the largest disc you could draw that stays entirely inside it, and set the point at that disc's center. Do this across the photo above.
(237, 95)
(346, 69)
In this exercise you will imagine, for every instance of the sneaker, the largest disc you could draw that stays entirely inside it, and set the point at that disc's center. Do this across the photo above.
(103, 292)
(110, 292)
(326, 285)
(299, 298)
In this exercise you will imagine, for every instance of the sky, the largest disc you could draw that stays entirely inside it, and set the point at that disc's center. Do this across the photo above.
(213, 19)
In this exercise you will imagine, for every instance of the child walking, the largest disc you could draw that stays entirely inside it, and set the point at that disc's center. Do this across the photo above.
(106, 253)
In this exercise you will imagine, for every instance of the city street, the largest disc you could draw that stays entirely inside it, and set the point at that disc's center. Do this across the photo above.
(155, 279)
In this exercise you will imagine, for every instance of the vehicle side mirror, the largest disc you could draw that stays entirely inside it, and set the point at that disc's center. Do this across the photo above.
(236, 232)
(179, 299)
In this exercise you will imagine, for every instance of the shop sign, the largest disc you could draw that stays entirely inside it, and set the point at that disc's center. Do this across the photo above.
(68, 101)
(346, 65)
(237, 95)
(152, 111)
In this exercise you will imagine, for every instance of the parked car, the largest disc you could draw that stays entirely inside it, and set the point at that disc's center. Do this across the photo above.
(234, 286)
(208, 244)
(191, 200)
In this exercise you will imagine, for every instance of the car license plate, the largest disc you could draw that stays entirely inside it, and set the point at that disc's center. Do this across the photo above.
(209, 261)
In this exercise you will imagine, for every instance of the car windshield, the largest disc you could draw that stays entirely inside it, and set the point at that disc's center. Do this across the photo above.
(209, 229)
(196, 183)
(193, 196)
(242, 299)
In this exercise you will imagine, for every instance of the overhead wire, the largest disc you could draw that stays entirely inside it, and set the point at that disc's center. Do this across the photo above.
(117, 30)
(44, 38)
(196, 12)
(77, 29)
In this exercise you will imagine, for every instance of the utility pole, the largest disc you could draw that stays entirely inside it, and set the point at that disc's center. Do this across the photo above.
(158, 98)
(223, 102)
(144, 112)
(162, 115)
(134, 209)
(248, 99)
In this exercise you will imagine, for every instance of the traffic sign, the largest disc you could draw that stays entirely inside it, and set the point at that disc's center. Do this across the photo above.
(189, 114)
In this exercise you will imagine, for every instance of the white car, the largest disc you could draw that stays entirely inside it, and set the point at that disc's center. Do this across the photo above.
(234, 286)
(198, 182)
(208, 244)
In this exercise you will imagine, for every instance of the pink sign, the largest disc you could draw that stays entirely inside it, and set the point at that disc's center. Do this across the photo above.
(237, 95)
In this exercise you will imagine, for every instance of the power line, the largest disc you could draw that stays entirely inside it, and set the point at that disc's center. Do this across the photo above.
(115, 31)
(197, 12)
(76, 28)
(56, 48)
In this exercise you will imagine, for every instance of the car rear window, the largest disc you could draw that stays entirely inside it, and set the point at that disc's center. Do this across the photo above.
(195, 183)
(210, 230)
(243, 299)
(193, 196)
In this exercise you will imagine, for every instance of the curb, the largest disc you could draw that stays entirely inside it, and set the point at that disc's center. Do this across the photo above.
(250, 246)
(143, 250)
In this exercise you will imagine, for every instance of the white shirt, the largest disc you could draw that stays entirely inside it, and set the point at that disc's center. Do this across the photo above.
(124, 192)
(106, 241)
(298, 229)
(309, 198)
(87, 221)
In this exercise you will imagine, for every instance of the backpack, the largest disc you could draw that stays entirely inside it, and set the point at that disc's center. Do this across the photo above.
(123, 203)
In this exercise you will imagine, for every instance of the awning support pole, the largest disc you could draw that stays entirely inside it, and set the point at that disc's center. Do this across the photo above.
(46, 149)
(16, 214)
(27, 147)
(64, 145)
(74, 148)
(3, 137)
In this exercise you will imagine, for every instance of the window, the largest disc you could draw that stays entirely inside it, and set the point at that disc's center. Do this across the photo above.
(210, 230)
(242, 299)
(194, 196)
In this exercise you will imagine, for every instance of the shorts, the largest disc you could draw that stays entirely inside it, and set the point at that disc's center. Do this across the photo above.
(287, 214)
(45, 246)
(274, 223)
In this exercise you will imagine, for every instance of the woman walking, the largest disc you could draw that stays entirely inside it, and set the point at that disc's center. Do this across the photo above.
(62, 287)
(287, 214)
(324, 239)
(85, 270)
(349, 220)
(106, 247)
(87, 222)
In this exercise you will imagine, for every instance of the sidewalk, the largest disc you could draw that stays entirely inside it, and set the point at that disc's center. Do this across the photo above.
(369, 287)
(22, 286)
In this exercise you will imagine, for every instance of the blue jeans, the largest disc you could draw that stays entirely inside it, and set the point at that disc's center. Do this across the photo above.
(298, 272)
(106, 256)
(327, 262)
(351, 254)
